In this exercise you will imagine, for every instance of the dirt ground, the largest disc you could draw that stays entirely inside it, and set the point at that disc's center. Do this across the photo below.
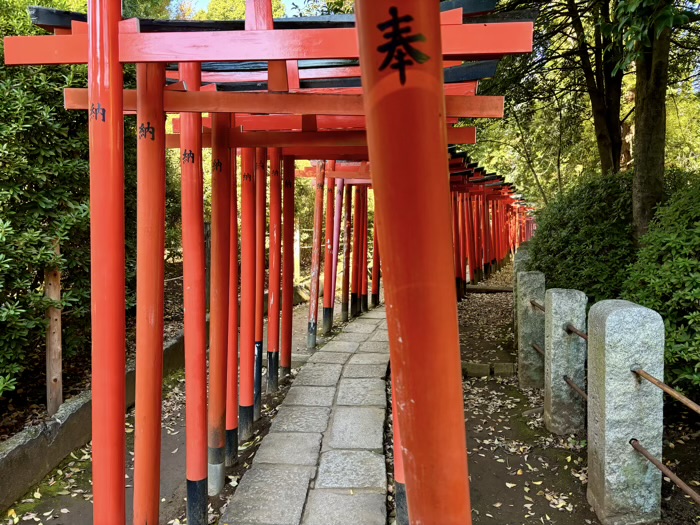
(520, 473)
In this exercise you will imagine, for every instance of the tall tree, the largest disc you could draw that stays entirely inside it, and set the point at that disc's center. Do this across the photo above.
(646, 29)
(235, 9)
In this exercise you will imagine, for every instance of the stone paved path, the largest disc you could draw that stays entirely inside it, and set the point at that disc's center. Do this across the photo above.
(322, 462)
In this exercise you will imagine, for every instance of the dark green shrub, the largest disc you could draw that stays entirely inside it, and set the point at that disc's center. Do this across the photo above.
(666, 278)
(584, 237)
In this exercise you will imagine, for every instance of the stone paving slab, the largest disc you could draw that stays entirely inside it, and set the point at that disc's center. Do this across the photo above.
(375, 321)
(330, 508)
(255, 504)
(357, 428)
(352, 469)
(354, 337)
(383, 325)
(290, 448)
(318, 375)
(364, 371)
(327, 434)
(381, 336)
(376, 313)
(374, 347)
(362, 392)
(338, 358)
(340, 346)
(300, 419)
(359, 327)
(310, 396)
(369, 359)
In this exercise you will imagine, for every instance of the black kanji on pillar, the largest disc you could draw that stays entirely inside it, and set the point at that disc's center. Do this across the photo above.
(398, 49)
(146, 129)
(188, 156)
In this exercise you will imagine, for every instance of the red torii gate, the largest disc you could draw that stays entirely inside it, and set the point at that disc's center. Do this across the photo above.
(411, 224)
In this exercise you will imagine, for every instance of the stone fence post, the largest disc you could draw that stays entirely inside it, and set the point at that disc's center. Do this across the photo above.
(530, 287)
(520, 262)
(623, 487)
(565, 355)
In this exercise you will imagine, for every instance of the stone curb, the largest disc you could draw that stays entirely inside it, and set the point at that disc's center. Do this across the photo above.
(471, 369)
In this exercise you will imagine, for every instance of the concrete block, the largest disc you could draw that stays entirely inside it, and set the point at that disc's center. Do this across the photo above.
(378, 371)
(338, 358)
(374, 321)
(369, 359)
(255, 504)
(530, 329)
(374, 347)
(339, 346)
(357, 427)
(312, 396)
(565, 355)
(300, 419)
(290, 448)
(324, 507)
(362, 392)
(476, 369)
(352, 469)
(318, 375)
(504, 369)
(623, 487)
(354, 337)
(381, 336)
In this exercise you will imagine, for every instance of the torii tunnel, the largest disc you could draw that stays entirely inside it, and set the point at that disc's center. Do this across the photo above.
(374, 99)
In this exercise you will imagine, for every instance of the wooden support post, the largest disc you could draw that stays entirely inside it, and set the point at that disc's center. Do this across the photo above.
(150, 274)
(247, 373)
(328, 255)
(273, 291)
(54, 345)
(316, 256)
(347, 246)
(376, 272)
(288, 267)
(403, 146)
(195, 303)
(107, 261)
(355, 287)
(219, 298)
(233, 321)
(260, 227)
(462, 243)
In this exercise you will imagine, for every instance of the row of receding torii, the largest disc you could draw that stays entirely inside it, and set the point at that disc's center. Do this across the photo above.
(401, 120)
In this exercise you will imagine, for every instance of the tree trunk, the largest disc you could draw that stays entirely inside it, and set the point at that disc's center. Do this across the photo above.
(650, 131)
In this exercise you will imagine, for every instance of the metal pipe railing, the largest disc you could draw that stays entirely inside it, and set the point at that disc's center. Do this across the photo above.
(537, 305)
(538, 349)
(576, 388)
(571, 329)
(670, 391)
(666, 471)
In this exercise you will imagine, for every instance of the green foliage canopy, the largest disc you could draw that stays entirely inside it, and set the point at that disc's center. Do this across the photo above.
(584, 236)
(666, 277)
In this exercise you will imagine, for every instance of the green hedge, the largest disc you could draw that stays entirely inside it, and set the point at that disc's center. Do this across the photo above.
(44, 199)
(584, 236)
(666, 278)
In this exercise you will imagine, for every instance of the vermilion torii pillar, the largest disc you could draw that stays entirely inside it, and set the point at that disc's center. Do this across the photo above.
(150, 268)
(219, 299)
(401, 61)
(107, 261)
